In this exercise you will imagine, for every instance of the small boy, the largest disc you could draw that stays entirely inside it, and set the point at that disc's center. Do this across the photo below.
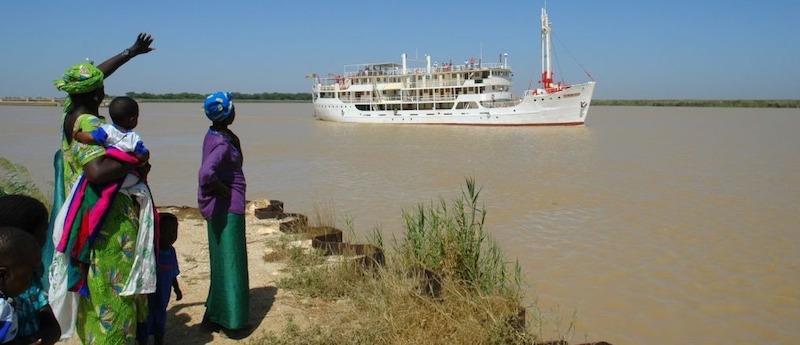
(20, 255)
(124, 113)
(37, 323)
(166, 282)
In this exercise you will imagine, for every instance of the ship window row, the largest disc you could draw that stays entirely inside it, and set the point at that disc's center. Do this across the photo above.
(421, 77)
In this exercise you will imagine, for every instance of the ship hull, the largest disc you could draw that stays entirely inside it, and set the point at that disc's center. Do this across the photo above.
(568, 107)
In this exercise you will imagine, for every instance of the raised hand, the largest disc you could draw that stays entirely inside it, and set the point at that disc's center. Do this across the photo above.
(142, 44)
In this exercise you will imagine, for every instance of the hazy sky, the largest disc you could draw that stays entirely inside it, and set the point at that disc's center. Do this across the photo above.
(634, 49)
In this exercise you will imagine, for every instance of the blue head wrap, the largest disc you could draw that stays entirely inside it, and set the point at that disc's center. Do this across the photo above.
(218, 106)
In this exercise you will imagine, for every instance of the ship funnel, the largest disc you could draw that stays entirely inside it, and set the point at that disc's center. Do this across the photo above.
(405, 64)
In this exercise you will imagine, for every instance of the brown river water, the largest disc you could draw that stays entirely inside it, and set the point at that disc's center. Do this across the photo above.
(648, 225)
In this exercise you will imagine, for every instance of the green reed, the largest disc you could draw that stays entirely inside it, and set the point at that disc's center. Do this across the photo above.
(450, 240)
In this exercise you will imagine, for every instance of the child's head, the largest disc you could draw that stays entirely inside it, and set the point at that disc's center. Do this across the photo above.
(124, 112)
(168, 227)
(20, 255)
(26, 213)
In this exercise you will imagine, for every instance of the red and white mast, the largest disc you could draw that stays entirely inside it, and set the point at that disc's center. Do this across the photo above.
(547, 71)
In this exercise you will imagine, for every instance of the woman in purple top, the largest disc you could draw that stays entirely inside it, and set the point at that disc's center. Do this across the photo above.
(221, 198)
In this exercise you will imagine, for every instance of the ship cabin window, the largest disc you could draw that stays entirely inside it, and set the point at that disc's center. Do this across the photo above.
(467, 105)
(444, 105)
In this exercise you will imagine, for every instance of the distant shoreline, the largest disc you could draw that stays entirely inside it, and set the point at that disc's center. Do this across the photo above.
(732, 103)
(737, 103)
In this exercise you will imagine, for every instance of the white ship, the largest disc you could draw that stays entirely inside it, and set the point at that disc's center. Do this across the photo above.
(472, 93)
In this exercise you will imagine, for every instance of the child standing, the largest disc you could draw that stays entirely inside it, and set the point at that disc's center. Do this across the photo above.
(124, 112)
(167, 282)
(36, 320)
(20, 255)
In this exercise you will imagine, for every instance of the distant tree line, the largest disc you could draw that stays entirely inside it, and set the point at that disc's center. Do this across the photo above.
(256, 97)
(735, 103)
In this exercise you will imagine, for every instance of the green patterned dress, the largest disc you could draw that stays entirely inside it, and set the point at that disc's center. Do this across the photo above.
(106, 317)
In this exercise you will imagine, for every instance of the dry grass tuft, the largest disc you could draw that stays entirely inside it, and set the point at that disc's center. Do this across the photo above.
(446, 283)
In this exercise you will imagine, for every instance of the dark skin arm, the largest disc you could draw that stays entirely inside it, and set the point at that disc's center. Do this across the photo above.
(102, 170)
(143, 157)
(84, 137)
(49, 330)
(219, 188)
(141, 46)
(177, 289)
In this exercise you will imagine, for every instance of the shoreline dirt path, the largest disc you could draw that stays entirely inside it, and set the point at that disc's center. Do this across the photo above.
(269, 307)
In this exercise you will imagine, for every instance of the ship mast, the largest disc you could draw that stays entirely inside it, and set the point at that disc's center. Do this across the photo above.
(547, 71)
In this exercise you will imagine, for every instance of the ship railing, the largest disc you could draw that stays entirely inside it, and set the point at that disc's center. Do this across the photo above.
(398, 99)
(433, 83)
(398, 71)
(374, 73)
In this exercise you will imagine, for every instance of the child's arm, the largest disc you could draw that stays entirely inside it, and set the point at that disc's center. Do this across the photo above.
(97, 136)
(141, 152)
(142, 157)
(177, 288)
(85, 137)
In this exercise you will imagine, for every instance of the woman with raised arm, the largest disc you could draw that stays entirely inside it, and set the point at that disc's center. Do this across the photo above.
(95, 288)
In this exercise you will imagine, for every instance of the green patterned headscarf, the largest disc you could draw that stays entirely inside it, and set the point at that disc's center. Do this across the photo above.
(80, 78)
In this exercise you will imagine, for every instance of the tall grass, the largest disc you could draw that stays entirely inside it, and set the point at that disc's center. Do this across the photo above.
(16, 179)
(446, 282)
(450, 240)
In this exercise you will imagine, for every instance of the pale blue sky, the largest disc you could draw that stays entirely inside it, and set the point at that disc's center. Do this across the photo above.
(634, 49)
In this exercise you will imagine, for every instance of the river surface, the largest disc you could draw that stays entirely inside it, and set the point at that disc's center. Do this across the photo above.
(649, 225)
